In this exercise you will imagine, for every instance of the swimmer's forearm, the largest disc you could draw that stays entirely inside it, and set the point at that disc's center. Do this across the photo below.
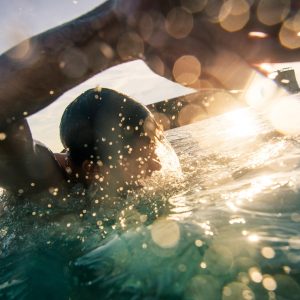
(56, 60)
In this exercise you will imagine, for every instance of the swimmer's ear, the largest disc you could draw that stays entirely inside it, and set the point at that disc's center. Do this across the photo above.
(86, 166)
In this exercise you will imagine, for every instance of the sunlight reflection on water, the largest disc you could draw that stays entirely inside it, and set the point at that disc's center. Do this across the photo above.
(256, 198)
(241, 124)
(227, 229)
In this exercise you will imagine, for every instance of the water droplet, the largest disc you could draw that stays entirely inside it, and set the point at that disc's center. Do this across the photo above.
(165, 233)
(179, 23)
(186, 69)
(268, 252)
(269, 283)
(2, 136)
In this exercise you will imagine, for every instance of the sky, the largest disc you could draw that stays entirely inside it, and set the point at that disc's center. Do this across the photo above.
(20, 19)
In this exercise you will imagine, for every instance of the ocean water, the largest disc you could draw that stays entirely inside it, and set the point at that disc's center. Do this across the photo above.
(227, 228)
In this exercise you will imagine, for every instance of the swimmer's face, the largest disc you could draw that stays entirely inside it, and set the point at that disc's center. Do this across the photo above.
(139, 162)
(128, 155)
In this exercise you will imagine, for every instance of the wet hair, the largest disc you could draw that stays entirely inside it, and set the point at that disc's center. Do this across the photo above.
(102, 125)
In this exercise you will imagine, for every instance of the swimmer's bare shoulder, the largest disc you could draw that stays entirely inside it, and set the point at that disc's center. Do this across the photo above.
(26, 166)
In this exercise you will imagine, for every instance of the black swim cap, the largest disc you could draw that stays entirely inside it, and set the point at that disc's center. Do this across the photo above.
(102, 125)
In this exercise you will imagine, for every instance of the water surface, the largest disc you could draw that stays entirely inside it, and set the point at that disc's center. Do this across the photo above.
(228, 228)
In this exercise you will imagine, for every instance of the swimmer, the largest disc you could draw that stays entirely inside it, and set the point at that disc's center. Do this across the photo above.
(115, 31)
(109, 142)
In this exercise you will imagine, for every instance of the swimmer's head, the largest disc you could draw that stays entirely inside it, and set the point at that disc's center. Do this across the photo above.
(105, 130)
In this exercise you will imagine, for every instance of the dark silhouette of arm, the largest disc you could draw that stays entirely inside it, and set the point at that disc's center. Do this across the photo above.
(58, 59)
(117, 31)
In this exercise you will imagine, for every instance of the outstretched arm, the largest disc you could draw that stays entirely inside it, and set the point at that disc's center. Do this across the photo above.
(160, 32)
(57, 60)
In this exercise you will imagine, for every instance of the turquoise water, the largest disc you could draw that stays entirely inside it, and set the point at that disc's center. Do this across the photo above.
(228, 228)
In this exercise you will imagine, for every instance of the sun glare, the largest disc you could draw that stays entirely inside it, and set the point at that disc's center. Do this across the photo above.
(284, 115)
(268, 68)
(260, 90)
(258, 34)
(242, 124)
(254, 238)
